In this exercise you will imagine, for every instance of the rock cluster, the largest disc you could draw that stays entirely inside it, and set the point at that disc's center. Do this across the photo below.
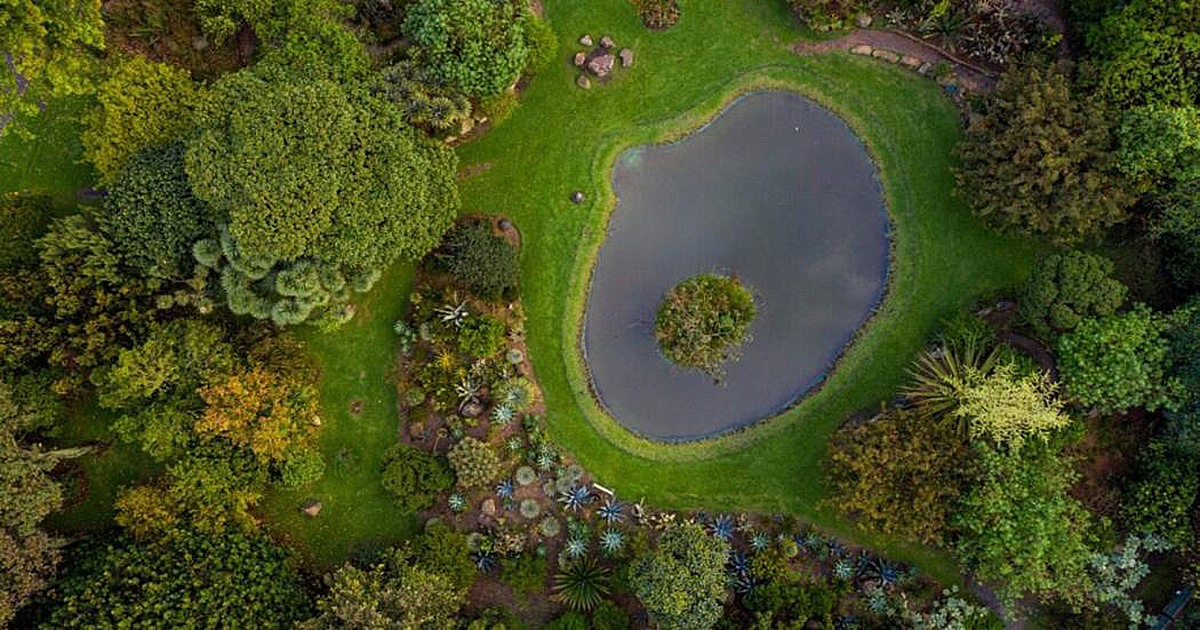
(909, 61)
(600, 61)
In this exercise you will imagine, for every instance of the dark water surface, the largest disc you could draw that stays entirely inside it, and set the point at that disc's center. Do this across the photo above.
(776, 191)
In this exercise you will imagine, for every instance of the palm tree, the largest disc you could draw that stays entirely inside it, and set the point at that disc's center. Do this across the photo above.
(581, 585)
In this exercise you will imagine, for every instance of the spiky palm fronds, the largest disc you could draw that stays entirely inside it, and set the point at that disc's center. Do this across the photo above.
(441, 113)
(939, 375)
(611, 511)
(612, 541)
(581, 585)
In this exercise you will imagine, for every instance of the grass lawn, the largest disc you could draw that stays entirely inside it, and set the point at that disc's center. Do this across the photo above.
(562, 138)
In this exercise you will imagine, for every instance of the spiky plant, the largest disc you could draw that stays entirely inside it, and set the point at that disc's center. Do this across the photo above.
(505, 489)
(611, 511)
(575, 498)
(743, 583)
(525, 475)
(738, 563)
(760, 541)
(939, 375)
(581, 585)
(883, 572)
(530, 509)
(877, 600)
(484, 561)
(835, 549)
(575, 548)
(502, 415)
(612, 541)
(441, 113)
(545, 460)
(843, 570)
(514, 443)
(721, 527)
(456, 503)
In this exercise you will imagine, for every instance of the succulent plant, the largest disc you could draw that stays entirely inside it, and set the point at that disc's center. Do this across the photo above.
(721, 527)
(612, 541)
(475, 463)
(525, 476)
(743, 583)
(517, 393)
(514, 444)
(545, 460)
(484, 561)
(835, 549)
(884, 572)
(504, 489)
(563, 485)
(611, 511)
(574, 472)
(575, 548)
(530, 509)
(502, 415)
(843, 570)
(581, 585)
(515, 356)
(456, 503)
(575, 498)
(549, 527)
(738, 564)
(877, 600)
(760, 541)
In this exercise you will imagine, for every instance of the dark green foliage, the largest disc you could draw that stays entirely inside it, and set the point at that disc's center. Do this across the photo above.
(186, 579)
(703, 321)
(824, 15)
(681, 582)
(301, 465)
(483, 262)
(415, 476)
(540, 40)
(608, 616)
(581, 584)
(1069, 287)
(790, 603)
(151, 215)
(475, 463)
(569, 621)
(1021, 529)
(477, 47)
(482, 336)
(1119, 361)
(38, 408)
(423, 104)
(1162, 494)
(22, 220)
(447, 550)
(1039, 160)
(525, 572)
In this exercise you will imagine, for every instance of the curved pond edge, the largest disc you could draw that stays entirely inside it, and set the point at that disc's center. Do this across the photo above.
(667, 131)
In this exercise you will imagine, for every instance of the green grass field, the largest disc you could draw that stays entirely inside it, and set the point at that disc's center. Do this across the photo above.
(561, 139)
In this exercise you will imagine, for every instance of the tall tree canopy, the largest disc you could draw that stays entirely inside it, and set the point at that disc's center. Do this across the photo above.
(477, 47)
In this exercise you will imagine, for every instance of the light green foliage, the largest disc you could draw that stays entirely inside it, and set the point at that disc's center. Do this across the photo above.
(415, 476)
(1019, 527)
(951, 612)
(475, 463)
(477, 47)
(1038, 161)
(482, 336)
(315, 170)
(27, 491)
(485, 263)
(901, 473)
(393, 594)
(315, 47)
(1067, 288)
(23, 218)
(301, 465)
(525, 572)
(681, 582)
(140, 104)
(1144, 52)
(703, 321)
(270, 19)
(1009, 408)
(1163, 490)
(518, 394)
(184, 579)
(1119, 361)
(541, 41)
(151, 215)
(1159, 143)
(52, 44)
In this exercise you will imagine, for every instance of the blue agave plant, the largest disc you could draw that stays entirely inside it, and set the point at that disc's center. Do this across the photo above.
(575, 498)
(721, 527)
(514, 444)
(502, 415)
(456, 502)
(760, 541)
(738, 564)
(505, 489)
(835, 549)
(847, 622)
(575, 548)
(877, 601)
(843, 570)
(611, 511)
(743, 583)
(611, 541)
(545, 460)
(484, 561)
(885, 572)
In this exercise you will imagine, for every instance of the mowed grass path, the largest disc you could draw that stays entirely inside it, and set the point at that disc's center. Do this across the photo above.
(562, 138)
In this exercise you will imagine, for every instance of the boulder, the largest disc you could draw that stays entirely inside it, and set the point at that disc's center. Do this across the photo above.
(626, 56)
(602, 65)
(864, 20)
(886, 55)
(505, 225)
(862, 49)
(607, 42)
(586, 40)
(311, 508)
(924, 68)
(584, 82)
(910, 61)
(580, 58)
(577, 196)
(488, 507)
(316, 421)
(467, 125)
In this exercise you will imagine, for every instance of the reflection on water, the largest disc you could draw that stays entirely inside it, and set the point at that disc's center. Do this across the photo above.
(776, 191)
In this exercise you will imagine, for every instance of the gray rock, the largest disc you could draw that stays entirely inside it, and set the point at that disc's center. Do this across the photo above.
(924, 68)
(601, 66)
(862, 49)
(586, 40)
(584, 82)
(626, 56)
(505, 224)
(864, 20)
(607, 42)
(488, 507)
(886, 55)
(580, 58)
(910, 61)
(311, 508)
(577, 196)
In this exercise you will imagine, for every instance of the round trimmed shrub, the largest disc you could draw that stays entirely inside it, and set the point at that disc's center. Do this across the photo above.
(703, 321)
(474, 462)
(301, 466)
(415, 477)
(1069, 287)
(482, 261)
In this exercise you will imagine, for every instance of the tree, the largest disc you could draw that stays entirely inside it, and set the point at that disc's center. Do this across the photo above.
(184, 579)
(1039, 160)
(23, 218)
(1067, 288)
(52, 46)
(1008, 408)
(1019, 526)
(703, 321)
(140, 104)
(415, 477)
(259, 409)
(485, 263)
(1119, 361)
(901, 473)
(477, 47)
(681, 582)
(1160, 144)
(394, 594)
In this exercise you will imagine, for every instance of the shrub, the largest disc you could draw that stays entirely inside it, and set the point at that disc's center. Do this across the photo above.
(1161, 496)
(541, 42)
(681, 582)
(474, 46)
(475, 463)
(141, 104)
(1069, 287)
(483, 262)
(1008, 408)
(658, 14)
(23, 218)
(703, 321)
(824, 15)
(1118, 362)
(447, 550)
(415, 477)
(301, 466)
(524, 572)
(482, 337)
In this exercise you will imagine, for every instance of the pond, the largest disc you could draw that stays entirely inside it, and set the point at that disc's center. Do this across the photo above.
(776, 191)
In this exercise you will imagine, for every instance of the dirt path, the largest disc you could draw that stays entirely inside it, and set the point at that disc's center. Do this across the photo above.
(969, 76)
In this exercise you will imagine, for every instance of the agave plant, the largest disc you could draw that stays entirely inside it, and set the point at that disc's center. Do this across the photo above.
(530, 509)
(835, 549)
(575, 548)
(612, 541)
(484, 561)
(581, 585)
(545, 460)
(721, 527)
(738, 564)
(760, 541)
(575, 498)
(514, 444)
(467, 389)
(505, 489)
(843, 570)
(877, 600)
(453, 313)
(456, 503)
(743, 583)
(883, 572)
(502, 415)
(525, 475)
(611, 511)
